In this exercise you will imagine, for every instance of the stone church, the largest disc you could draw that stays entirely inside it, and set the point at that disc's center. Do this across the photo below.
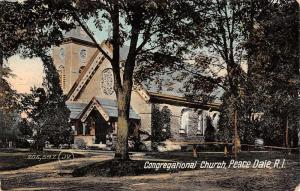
(86, 78)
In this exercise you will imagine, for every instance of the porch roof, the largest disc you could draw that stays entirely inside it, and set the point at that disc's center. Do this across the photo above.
(76, 109)
(111, 107)
(108, 106)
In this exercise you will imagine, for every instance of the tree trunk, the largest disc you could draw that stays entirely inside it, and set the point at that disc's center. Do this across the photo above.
(1, 62)
(1, 59)
(123, 126)
(235, 135)
(287, 133)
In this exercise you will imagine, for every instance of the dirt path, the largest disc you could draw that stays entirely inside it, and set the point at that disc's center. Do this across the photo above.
(46, 177)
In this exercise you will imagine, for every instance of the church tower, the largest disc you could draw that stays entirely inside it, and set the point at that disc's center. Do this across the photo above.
(72, 55)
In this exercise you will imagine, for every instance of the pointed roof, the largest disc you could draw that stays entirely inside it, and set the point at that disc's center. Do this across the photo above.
(88, 72)
(148, 92)
(111, 106)
(181, 101)
(76, 109)
(106, 107)
(79, 35)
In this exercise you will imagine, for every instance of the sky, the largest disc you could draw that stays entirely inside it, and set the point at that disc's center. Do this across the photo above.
(27, 73)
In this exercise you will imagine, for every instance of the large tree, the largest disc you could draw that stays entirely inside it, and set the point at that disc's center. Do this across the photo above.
(8, 109)
(223, 28)
(273, 75)
(262, 36)
(47, 113)
(8, 97)
(228, 42)
(30, 29)
(154, 30)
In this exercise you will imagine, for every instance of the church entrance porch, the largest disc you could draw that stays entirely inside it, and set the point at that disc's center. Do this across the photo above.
(97, 133)
(103, 129)
(96, 125)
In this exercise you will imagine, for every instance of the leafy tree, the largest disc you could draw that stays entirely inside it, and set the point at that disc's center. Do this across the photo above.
(210, 131)
(33, 105)
(223, 28)
(30, 29)
(24, 128)
(273, 84)
(161, 120)
(48, 115)
(230, 36)
(59, 127)
(155, 31)
(8, 107)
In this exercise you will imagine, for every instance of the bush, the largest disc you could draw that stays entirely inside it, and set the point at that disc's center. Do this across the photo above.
(80, 143)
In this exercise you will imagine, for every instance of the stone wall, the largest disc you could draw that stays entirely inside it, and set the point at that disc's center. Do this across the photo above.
(194, 131)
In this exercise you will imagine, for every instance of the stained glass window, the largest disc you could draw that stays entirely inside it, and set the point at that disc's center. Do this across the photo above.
(107, 81)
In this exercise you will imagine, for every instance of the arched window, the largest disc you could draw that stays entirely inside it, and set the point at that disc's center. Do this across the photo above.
(83, 56)
(215, 117)
(61, 53)
(201, 119)
(62, 76)
(184, 121)
(81, 69)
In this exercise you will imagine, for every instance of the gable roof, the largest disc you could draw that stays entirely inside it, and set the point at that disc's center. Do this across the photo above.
(79, 34)
(76, 109)
(88, 72)
(111, 106)
(106, 107)
(181, 101)
(149, 93)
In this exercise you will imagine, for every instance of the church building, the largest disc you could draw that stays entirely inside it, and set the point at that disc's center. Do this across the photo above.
(86, 77)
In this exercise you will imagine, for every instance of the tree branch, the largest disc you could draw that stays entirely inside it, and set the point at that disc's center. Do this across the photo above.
(147, 35)
(89, 33)
(116, 47)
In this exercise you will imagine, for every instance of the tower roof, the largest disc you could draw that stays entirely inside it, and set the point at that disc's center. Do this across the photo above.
(78, 34)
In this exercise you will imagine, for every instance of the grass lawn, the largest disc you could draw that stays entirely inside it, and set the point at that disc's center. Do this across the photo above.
(13, 159)
(44, 177)
(219, 156)
(286, 178)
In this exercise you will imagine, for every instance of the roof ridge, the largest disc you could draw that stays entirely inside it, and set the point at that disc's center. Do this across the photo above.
(70, 95)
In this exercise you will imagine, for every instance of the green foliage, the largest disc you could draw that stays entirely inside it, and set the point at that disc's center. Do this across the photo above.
(209, 131)
(48, 115)
(30, 29)
(265, 33)
(8, 108)
(31, 25)
(269, 98)
(161, 120)
(24, 128)
(273, 77)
